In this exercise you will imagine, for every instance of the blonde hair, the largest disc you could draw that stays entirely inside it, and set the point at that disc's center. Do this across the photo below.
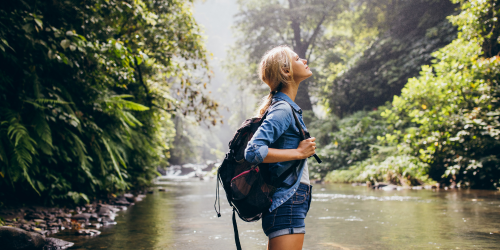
(275, 69)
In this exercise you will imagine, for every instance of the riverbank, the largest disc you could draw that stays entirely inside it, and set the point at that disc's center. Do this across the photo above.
(28, 227)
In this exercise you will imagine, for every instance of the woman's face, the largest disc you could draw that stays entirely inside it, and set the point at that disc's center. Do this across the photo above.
(300, 69)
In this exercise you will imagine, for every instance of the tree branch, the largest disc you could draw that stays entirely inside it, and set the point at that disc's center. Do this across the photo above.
(312, 39)
(296, 33)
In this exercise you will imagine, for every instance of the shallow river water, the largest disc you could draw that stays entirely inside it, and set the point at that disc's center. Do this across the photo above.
(341, 217)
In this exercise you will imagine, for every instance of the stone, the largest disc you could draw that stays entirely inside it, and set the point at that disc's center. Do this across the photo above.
(124, 208)
(82, 216)
(379, 185)
(35, 216)
(95, 225)
(54, 224)
(90, 232)
(130, 197)
(53, 243)
(39, 220)
(50, 217)
(63, 215)
(389, 187)
(122, 202)
(108, 218)
(17, 239)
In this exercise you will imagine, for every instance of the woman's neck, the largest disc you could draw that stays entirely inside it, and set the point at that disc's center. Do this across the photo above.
(290, 91)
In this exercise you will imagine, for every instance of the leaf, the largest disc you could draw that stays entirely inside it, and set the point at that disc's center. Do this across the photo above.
(65, 43)
(6, 44)
(70, 33)
(111, 154)
(39, 22)
(144, 55)
(138, 59)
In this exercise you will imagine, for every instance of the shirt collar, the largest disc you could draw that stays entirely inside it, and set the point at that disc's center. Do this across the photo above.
(284, 97)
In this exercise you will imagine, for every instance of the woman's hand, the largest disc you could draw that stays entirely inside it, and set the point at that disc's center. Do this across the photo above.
(307, 148)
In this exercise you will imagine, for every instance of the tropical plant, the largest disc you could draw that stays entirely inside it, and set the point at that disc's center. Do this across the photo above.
(87, 93)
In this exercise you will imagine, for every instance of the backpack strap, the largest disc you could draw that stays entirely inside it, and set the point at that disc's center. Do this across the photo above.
(235, 229)
(304, 134)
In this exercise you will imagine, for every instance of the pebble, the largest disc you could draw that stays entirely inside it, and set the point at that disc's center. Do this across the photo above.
(89, 232)
(85, 219)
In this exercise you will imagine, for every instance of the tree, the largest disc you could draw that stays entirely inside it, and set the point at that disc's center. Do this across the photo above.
(262, 25)
(405, 33)
(87, 91)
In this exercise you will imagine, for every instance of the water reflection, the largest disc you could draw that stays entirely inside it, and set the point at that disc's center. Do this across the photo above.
(341, 217)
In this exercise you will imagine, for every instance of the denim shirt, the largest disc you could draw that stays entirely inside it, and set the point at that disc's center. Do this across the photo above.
(278, 130)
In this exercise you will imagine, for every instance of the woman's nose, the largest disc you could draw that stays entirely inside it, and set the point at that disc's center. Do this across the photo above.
(304, 61)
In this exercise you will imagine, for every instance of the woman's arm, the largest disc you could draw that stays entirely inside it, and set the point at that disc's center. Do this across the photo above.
(305, 149)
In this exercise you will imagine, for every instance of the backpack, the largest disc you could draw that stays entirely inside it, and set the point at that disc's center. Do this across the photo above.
(249, 188)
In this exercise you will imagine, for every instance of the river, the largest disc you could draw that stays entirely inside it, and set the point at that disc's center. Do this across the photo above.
(341, 217)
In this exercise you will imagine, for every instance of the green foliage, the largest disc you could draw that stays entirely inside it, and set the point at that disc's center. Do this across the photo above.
(86, 94)
(454, 106)
(445, 125)
(342, 143)
(398, 37)
(403, 170)
(262, 25)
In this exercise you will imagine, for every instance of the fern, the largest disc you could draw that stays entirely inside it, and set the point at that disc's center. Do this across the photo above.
(23, 149)
(112, 155)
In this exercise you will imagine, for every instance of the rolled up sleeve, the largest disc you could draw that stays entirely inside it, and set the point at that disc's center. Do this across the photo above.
(277, 121)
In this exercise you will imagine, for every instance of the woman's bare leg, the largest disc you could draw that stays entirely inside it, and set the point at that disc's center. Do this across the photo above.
(286, 242)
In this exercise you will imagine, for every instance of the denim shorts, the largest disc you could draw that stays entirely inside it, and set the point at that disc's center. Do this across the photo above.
(289, 217)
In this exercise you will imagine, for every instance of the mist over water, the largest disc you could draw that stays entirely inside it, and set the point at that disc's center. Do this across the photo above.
(341, 217)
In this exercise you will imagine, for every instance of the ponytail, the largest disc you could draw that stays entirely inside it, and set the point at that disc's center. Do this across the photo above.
(268, 100)
(275, 69)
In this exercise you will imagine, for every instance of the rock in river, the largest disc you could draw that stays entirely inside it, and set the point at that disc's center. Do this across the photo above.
(18, 239)
(82, 216)
(53, 243)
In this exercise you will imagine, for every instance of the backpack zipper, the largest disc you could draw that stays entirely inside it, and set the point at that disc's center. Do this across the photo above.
(256, 169)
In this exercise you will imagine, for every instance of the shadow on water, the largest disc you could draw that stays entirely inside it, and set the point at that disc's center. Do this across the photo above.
(341, 217)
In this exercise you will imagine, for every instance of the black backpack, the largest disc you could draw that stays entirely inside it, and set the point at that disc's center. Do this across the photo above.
(249, 188)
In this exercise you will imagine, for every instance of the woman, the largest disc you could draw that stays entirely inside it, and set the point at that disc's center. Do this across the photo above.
(277, 142)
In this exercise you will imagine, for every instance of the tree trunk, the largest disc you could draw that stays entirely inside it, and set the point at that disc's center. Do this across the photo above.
(300, 47)
(303, 99)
